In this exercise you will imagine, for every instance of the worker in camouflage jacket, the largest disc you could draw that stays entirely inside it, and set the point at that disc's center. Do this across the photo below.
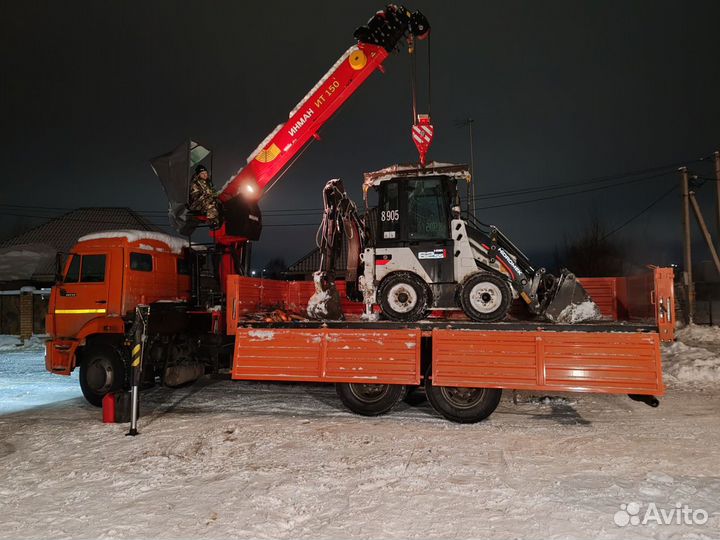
(203, 197)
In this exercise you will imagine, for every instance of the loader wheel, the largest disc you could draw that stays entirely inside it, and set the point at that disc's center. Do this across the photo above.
(462, 405)
(403, 297)
(370, 399)
(101, 371)
(485, 297)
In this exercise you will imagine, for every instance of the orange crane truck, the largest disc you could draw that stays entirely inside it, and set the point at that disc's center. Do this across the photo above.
(412, 257)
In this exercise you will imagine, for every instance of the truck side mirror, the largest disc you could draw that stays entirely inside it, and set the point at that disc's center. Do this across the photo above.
(58, 267)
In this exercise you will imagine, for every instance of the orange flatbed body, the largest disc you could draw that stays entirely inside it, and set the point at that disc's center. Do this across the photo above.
(614, 356)
(613, 359)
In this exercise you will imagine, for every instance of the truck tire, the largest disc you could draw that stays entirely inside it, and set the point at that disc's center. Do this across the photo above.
(404, 297)
(370, 399)
(101, 371)
(462, 405)
(485, 297)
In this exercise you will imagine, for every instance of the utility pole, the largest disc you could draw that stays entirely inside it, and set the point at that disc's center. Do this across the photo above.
(689, 285)
(471, 186)
(471, 194)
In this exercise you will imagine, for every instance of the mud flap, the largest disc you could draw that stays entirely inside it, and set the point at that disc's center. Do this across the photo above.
(570, 303)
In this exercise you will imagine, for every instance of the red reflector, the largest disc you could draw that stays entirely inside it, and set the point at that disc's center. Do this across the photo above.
(381, 262)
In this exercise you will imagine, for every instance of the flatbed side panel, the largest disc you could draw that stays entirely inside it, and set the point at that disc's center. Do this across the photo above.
(278, 355)
(603, 292)
(617, 363)
(387, 356)
(328, 355)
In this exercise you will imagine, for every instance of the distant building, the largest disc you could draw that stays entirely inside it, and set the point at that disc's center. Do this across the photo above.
(28, 262)
(303, 268)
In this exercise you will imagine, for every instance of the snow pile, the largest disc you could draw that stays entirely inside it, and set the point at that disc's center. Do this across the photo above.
(21, 262)
(688, 364)
(317, 305)
(174, 243)
(575, 313)
(694, 334)
(14, 343)
(695, 357)
(262, 335)
(431, 169)
(544, 400)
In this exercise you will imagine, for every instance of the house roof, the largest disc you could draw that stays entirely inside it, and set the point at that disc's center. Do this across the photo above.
(310, 262)
(61, 233)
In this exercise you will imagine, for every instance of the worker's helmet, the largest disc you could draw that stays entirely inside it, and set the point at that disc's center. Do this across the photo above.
(200, 168)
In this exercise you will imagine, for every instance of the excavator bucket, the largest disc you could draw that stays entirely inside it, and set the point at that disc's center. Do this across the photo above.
(325, 304)
(570, 303)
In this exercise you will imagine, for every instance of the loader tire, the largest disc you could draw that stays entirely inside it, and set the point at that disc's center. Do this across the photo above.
(101, 371)
(462, 405)
(370, 399)
(404, 297)
(485, 297)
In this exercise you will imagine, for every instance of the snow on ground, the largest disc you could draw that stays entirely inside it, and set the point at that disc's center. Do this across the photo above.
(226, 459)
(694, 358)
(24, 382)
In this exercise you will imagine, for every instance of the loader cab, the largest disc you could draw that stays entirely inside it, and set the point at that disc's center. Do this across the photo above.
(414, 210)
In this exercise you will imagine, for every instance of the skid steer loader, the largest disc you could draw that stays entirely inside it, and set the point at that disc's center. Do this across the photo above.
(416, 253)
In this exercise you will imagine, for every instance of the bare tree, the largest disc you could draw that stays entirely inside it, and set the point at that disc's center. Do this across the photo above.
(592, 253)
(275, 268)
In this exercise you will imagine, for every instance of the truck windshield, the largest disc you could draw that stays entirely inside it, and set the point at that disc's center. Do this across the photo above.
(73, 273)
(86, 269)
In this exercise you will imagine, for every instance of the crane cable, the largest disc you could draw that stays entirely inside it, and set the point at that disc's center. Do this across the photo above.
(413, 77)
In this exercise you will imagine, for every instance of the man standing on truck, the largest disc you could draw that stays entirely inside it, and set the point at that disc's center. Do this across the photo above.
(203, 197)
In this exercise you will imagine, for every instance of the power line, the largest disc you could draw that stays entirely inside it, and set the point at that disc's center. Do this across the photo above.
(114, 222)
(561, 195)
(594, 180)
(297, 212)
(647, 208)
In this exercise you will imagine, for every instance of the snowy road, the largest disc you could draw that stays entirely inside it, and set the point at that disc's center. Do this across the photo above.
(227, 459)
(24, 382)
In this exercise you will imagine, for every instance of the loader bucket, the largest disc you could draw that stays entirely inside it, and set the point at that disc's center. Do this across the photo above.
(325, 305)
(570, 303)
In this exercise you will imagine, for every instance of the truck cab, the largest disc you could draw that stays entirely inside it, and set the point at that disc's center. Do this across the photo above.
(105, 277)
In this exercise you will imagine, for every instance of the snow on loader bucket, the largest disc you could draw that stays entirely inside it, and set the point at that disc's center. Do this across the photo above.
(325, 305)
(568, 302)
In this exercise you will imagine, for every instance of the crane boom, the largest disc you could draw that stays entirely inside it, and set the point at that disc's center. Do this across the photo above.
(305, 120)
(375, 42)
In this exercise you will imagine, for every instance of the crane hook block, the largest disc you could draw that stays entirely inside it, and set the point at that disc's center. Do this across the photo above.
(422, 136)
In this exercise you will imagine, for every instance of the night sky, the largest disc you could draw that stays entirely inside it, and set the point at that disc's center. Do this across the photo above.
(560, 92)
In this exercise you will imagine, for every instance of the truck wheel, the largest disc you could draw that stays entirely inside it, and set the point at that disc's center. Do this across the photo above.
(101, 371)
(403, 297)
(370, 399)
(485, 297)
(462, 405)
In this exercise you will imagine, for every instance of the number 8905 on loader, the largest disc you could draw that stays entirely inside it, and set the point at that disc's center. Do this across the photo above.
(416, 253)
